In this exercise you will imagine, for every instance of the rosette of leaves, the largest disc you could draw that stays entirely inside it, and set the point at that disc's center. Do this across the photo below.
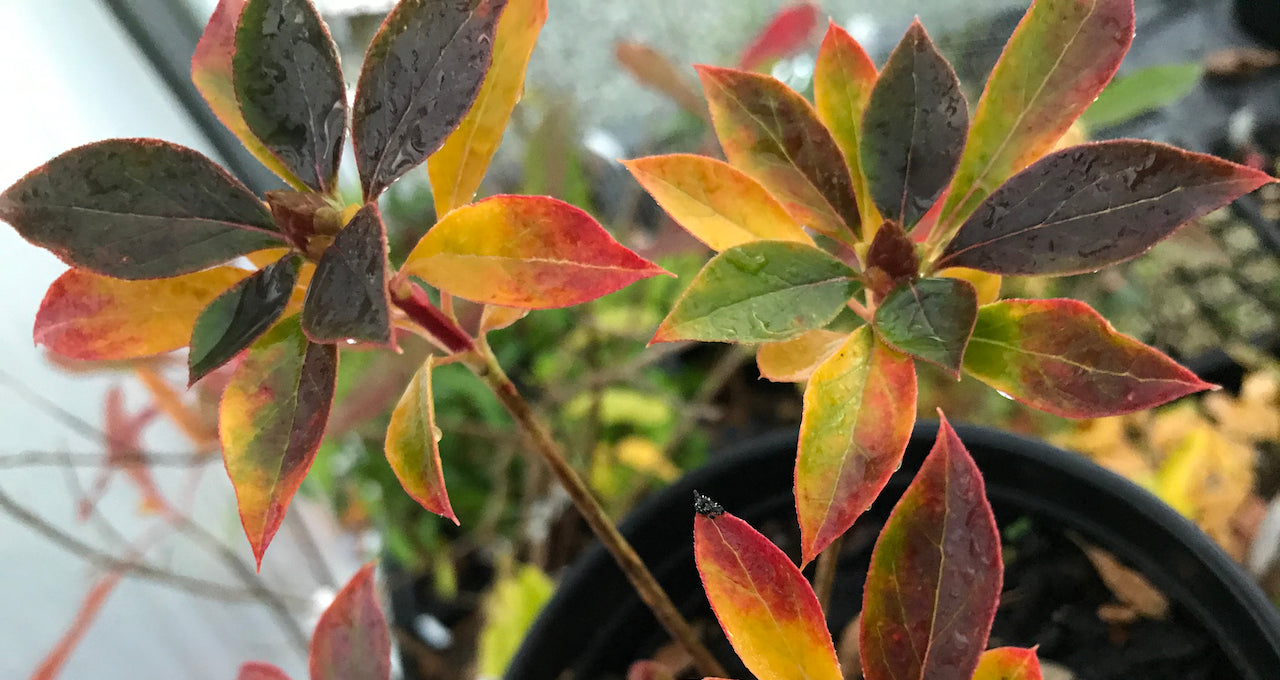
(158, 235)
(869, 231)
(927, 606)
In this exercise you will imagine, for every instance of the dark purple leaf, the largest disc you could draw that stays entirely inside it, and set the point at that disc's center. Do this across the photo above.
(1089, 206)
(237, 317)
(891, 259)
(913, 130)
(347, 299)
(420, 77)
(138, 209)
(931, 319)
(289, 87)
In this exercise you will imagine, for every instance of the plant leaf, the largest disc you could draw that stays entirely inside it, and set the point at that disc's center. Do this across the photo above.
(1060, 57)
(987, 285)
(914, 129)
(457, 168)
(1085, 207)
(213, 75)
(774, 135)
(413, 445)
(347, 299)
(532, 252)
(859, 407)
(843, 77)
(495, 318)
(289, 87)
(761, 292)
(1138, 92)
(930, 319)
(1008, 663)
(92, 317)
(717, 203)
(890, 259)
(795, 360)
(786, 33)
(766, 607)
(236, 318)
(138, 209)
(352, 641)
(258, 670)
(1062, 357)
(271, 421)
(654, 70)
(420, 77)
(935, 574)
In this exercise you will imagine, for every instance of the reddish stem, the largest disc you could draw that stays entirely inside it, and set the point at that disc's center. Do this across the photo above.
(414, 301)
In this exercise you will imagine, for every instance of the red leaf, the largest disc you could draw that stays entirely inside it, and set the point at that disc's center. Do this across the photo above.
(1062, 357)
(786, 34)
(935, 574)
(51, 666)
(352, 641)
(123, 433)
(766, 607)
(257, 670)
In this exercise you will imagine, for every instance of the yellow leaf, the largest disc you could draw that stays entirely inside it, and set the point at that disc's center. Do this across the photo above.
(987, 284)
(509, 610)
(644, 456)
(794, 360)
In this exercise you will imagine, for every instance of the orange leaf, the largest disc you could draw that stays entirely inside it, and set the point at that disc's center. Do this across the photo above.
(272, 419)
(843, 77)
(1008, 663)
(717, 203)
(795, 360)
(413, 445)
(533, 252)
(457, 168)
(89, 316)
(766, 607)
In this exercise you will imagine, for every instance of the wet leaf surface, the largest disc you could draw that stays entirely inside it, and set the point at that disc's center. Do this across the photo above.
(930, 319)
(413, 445)
(271, 422)
(1058, 60)
(236, 318)
(761, 292)
(290, 89)
(796, 359)
(717, 203)
(352, 640)
(859, 407)
(1089, 206)
(843, 77)
(138, 209)
(1062, 357)
(457, 168)
(913, 130)
(213, 75)
(420, 77)
(347, 299)
(935, 574)
(771, 133)
(88, 316)
(766, 607)
(531, 252)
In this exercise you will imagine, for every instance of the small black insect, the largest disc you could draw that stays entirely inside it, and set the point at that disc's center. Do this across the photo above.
(706, 507)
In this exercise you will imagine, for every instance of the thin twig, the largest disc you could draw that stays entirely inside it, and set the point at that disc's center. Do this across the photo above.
(724, 368)
(824, 575)
(486, 367)
(74, 460)
(319, 567)
(109, 562)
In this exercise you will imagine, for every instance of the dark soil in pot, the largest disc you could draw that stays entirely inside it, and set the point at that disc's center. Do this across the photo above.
(1048, 503)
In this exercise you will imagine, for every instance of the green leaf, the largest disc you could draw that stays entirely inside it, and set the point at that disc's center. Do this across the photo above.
(289, 87)
(1148, 89)
(1059, 59)
(930, 319)
(138, 209)
(271, 422)
(761, 292)
(1089, 206)
(913, 130)
(859, 407)
(935, 575)
(843, 77)
(420, 77)
(413, 445)
(237, 317)
(510, 609)
(347, 299)
(1062, 357)
(771, 133)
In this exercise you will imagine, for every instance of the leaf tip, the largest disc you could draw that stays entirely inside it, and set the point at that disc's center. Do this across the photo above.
(706, 507)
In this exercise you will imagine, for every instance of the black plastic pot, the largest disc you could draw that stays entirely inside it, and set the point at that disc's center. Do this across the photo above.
(594, 626)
